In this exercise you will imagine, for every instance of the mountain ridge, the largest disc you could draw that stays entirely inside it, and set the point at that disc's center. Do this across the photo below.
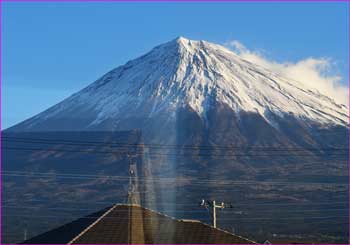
(196, 74)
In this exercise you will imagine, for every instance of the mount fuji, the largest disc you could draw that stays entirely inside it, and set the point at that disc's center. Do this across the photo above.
(194, 77)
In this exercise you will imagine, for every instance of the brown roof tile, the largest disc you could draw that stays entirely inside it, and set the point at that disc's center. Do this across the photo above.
(136, 225)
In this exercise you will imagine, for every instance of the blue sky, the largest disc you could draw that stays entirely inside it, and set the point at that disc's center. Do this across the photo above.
(51, 50)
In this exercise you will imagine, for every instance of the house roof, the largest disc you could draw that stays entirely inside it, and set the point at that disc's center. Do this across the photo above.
(130, 224)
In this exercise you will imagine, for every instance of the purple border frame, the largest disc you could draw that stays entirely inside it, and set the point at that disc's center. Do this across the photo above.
(182, 1)
(0, 121)
(213, 1)
(349, 120)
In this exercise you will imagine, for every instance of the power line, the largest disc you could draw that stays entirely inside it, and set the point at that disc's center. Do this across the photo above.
(165, 154)
(257, 171)
(164, 179)
(177, 210)
(166, 146)
(284, 222)
(179, 178)
(145, 218)
(292, 218)
(194, 205)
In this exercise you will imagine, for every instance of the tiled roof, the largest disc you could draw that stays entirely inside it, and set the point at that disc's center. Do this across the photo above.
(130, 224)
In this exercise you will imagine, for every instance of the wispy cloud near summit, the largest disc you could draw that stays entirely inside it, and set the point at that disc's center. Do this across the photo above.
(317, 73)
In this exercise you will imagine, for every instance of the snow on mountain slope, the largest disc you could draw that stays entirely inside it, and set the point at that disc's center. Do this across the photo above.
(197, 74)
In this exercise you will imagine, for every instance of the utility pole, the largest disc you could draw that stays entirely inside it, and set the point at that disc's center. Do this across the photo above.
(133, 196)
(133, 185)
(214, 206)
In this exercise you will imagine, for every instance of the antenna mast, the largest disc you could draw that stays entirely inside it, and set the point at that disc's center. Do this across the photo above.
(133, 185)
(214, 206)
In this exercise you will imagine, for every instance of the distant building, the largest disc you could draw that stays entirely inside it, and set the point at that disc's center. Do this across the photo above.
(130, 224)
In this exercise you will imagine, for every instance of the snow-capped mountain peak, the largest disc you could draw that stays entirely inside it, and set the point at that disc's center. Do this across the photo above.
(195, 74)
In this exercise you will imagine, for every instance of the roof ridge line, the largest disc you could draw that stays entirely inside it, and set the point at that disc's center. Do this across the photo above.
(244, 238)
(180, 220)
(93, 224)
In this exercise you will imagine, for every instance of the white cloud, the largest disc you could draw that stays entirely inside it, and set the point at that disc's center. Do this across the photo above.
(314, 73)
